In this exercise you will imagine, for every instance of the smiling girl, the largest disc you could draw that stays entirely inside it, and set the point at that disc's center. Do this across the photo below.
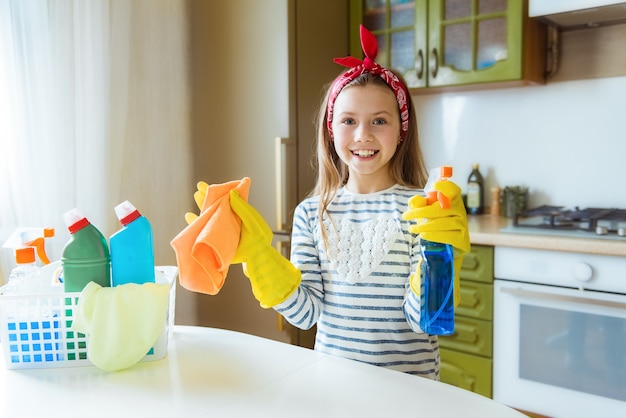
(349, 241)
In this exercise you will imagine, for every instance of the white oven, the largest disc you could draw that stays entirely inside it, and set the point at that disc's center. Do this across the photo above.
(560, 333)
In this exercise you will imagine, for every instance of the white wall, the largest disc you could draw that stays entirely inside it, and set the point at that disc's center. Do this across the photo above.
(565, 141)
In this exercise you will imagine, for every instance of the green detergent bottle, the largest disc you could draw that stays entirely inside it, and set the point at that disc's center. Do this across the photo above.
(86, 255)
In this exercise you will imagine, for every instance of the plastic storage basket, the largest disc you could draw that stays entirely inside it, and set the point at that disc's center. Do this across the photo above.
(36, 329)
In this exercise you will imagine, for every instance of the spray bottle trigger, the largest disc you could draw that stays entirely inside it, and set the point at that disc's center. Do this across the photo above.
(432, 196)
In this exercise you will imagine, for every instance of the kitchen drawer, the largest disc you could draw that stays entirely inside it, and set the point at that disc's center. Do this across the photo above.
(466, 371)
(478, 264)
(476, 300)
(472, 336)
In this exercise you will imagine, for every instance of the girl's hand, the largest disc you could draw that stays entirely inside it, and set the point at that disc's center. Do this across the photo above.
(273, 278)
(444, 225)
(437, 224)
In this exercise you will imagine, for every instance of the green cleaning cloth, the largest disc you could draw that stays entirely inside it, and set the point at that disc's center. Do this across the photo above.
(122, 322)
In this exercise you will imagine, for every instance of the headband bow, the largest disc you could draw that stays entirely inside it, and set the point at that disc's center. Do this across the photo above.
(369, 65)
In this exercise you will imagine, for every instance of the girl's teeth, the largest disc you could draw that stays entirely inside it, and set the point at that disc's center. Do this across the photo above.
(364, 153)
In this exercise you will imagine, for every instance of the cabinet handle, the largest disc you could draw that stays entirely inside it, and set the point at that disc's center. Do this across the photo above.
(433, 63)
(565, 298)
(280, 145)
(419, 64)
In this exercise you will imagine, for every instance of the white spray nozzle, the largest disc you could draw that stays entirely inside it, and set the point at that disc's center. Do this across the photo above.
(435, 175)
(31, 237)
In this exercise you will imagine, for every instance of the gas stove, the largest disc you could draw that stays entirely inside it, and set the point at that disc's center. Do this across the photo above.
(602, 223)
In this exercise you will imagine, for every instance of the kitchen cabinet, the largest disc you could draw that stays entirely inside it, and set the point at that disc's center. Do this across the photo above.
(454, 44)
(466, 355)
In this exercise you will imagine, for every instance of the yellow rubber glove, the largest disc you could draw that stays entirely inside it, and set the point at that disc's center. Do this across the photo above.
(444, 225)
(273, 278)
(199, 196)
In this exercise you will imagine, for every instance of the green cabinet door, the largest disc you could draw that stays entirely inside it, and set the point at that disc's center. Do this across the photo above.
(476, 300)
(466, 355)
(451, 43)
(475, 41)
(472, 336)
(396, 24)
(478, 264)
(465, 371)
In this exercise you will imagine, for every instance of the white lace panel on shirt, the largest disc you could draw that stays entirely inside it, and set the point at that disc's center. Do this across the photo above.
(358, 248)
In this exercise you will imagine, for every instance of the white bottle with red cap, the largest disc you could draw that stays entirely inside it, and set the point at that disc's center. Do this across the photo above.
(132, 248)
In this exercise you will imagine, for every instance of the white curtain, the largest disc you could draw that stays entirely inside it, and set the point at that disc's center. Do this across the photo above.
(93, 111)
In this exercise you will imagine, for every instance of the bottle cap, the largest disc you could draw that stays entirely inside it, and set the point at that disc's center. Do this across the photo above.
(48, 232)
(126, 212)
(74, 220)
(25, 255)
(446, 172)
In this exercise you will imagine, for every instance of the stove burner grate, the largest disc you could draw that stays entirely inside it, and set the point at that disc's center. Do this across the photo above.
(556, 217)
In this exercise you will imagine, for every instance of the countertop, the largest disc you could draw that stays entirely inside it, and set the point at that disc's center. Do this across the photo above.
(488, 230)
(220, 373)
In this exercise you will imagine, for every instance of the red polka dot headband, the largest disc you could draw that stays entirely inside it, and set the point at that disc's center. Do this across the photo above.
(368, 65)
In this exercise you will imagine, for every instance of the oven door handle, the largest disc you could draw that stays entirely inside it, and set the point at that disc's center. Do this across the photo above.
(565, 298)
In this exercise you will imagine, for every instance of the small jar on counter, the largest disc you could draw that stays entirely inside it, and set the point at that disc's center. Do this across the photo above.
(495, 201)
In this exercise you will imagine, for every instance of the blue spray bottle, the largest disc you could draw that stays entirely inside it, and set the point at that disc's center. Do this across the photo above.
(437, 272)
(132, 248)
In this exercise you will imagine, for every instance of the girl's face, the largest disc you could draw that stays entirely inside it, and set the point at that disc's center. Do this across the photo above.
(366, 128)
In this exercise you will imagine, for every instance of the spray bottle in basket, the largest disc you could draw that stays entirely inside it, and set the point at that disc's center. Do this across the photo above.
(132, 248)
(85, 256)
(31, 237)
(437, 273)
(24, 266)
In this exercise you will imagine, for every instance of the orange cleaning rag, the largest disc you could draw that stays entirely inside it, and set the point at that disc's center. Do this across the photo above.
(205, 248)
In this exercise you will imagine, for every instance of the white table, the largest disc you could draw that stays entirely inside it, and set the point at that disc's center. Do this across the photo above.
(219, 373)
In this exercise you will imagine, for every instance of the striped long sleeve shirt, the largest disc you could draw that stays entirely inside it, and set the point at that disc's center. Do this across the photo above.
(357, 290)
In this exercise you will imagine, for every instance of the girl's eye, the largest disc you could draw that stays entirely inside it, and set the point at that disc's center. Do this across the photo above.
(348, 121)
(379, 121)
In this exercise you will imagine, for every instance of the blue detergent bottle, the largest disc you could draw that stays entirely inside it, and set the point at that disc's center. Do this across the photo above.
(132, 248)
(437, 276)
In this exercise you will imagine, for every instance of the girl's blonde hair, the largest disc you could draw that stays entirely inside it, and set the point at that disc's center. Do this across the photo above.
(406, 167)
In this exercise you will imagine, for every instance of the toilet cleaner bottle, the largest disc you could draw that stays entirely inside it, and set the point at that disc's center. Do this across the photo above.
(132, 248)
(437, 274)
(86, 255)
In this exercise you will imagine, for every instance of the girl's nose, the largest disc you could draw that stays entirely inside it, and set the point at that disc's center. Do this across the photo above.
(363, 133)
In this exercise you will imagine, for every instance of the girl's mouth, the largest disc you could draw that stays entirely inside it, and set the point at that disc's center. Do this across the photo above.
(364, 153)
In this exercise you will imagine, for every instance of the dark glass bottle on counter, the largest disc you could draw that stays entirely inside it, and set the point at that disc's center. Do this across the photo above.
(475, 192)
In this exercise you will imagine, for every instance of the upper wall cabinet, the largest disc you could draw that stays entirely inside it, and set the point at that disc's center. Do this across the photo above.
(454, 44)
